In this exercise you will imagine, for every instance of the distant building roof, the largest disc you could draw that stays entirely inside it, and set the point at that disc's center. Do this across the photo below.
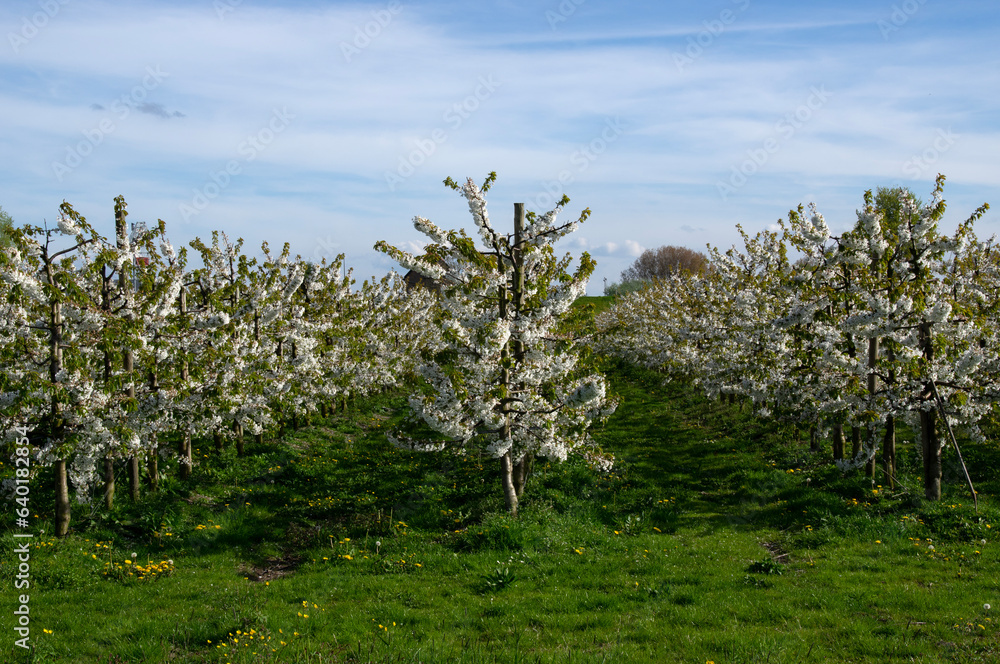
(414, 279)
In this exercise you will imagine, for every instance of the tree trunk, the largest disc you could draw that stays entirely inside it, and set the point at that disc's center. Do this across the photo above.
(872, 432)
(889, 452)
(153, 459)
(889, 442)
(855, 442)
(186, 462)
(813, 440)
(133, 461)
(928, 426)
(55, 423)
(931, 448)
(153, 466)
(62, 499)
(507, 472)
(128, 364)
(109, 483)
(522, 470)
(870, 463)
(217, 437)
(838, 441)
(238, 428)
(109, 464)
(507, 478)
(133, 478)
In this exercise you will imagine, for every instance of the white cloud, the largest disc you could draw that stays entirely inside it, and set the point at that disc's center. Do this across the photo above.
(324, 176)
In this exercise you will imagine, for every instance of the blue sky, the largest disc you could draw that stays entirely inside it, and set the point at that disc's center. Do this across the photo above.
(329, 125)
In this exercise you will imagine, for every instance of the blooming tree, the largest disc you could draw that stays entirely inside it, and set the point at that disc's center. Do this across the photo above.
(502, 382)
(890, 320)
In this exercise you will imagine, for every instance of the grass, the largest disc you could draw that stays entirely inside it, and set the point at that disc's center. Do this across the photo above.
(717, 537)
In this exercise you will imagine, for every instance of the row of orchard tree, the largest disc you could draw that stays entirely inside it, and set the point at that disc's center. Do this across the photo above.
(891, 322)
(110, 346)
(115, 352)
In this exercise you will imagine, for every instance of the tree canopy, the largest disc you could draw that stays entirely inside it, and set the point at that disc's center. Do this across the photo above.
(661, 263)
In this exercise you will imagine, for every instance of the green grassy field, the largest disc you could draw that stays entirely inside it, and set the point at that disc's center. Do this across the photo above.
(717, 538)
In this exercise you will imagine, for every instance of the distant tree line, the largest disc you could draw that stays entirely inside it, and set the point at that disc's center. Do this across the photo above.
(6, 226)
(655, 264)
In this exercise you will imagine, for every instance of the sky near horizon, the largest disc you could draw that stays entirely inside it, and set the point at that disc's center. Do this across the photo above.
(330, 125)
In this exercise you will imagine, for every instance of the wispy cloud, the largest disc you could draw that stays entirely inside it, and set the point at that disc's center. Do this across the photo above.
(322, 183)
(158, 110)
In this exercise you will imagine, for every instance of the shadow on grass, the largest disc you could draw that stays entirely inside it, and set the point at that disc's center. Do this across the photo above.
(722, 467)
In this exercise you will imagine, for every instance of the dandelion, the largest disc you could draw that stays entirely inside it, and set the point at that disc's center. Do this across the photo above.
(986, 606)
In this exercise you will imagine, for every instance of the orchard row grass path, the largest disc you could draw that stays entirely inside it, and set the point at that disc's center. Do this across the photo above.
(717, 537)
